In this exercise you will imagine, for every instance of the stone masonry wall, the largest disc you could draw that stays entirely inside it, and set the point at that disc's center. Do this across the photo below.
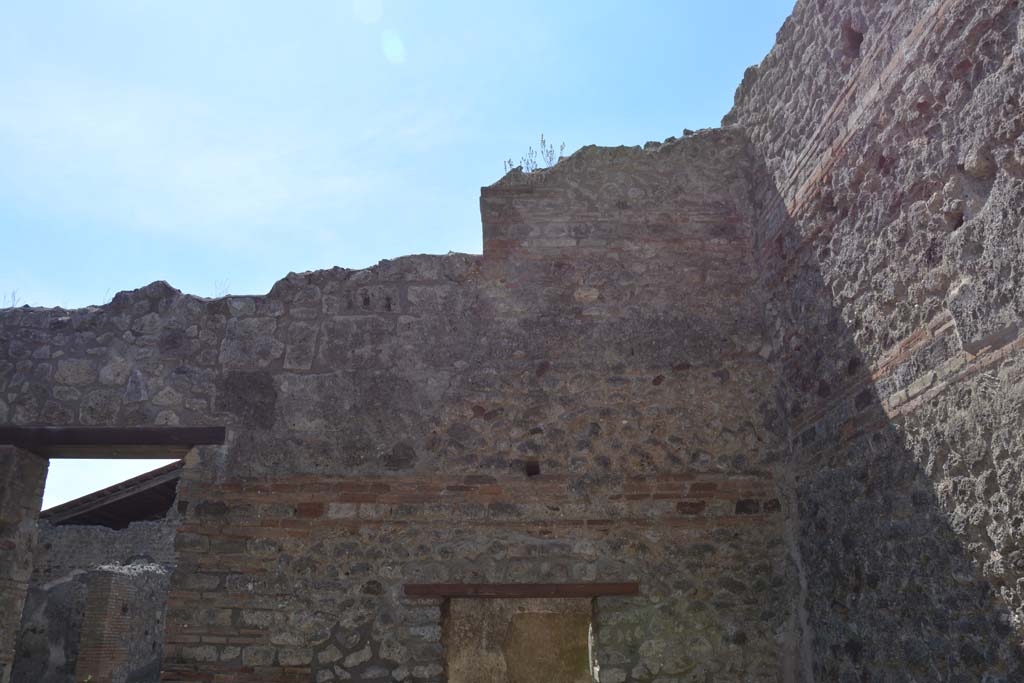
(379, 422)
(124, 576)
(22, 475)
(889, 242)
(773, 372)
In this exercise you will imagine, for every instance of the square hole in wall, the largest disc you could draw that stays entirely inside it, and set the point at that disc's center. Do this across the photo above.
(518, 640)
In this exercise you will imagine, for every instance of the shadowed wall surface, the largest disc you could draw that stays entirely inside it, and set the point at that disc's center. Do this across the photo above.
(96, 604)
(21, 492)
(889, 249)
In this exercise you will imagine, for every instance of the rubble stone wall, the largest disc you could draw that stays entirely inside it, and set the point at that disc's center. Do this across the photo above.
(773, 372)
(890, 243)
(22, 475)
(99, 593)
(380, 422)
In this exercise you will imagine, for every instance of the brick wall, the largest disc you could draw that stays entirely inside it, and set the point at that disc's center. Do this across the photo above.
(106, 627)
(685, 537)
(71, 562)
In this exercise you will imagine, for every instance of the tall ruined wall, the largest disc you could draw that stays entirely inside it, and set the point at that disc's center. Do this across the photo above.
(127, 569)
(379, 422)
(890, 243)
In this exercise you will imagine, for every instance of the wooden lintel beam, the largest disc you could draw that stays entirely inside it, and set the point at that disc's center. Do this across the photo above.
(111, 442)
(519, 590)
(142, 452)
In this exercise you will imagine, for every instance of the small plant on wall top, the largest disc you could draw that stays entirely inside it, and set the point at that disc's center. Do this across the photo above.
(533, 159)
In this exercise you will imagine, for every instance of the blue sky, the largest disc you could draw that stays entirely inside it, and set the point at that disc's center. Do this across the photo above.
(219, 145)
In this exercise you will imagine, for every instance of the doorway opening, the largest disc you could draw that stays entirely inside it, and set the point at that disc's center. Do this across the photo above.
(93, 575)
(519, 640)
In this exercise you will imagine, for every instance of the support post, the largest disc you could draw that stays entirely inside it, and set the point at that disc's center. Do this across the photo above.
(22, 476)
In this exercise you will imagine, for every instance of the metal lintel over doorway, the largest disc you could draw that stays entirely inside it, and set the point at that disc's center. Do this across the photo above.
(519, 590)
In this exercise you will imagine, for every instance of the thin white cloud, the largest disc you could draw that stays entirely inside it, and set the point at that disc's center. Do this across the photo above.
(368, 11)
(414, 128)
(162, 160)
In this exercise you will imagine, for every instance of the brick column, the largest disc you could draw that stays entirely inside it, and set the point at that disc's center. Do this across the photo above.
(22, 476)
(106, 628)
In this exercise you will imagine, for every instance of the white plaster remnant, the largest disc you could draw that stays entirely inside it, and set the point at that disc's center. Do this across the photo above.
(134, 569)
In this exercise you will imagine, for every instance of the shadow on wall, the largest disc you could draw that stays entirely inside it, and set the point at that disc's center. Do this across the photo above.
(51, 625)
(892, 591)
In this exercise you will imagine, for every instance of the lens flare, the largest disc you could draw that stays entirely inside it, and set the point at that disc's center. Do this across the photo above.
(392, 46)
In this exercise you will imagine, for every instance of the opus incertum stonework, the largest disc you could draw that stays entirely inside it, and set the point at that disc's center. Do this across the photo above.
(746, 405)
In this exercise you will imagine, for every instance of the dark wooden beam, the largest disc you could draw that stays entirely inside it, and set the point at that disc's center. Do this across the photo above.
(111, 442)
(141, 452)
(519, 590)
